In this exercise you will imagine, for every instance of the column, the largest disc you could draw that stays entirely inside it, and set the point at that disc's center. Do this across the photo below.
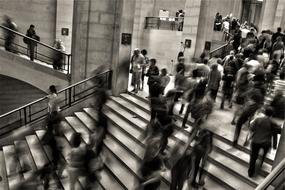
(279, 14)
(64, 15)
(190, 28)
(268, 14)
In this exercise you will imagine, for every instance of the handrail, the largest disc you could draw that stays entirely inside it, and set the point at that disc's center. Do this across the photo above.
(272, 176)
(164, 17)
(24, 36)
(67, 97)
(64, 89)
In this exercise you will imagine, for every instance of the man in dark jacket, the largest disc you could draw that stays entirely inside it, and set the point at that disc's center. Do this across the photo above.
(263, 130)
(31, 44)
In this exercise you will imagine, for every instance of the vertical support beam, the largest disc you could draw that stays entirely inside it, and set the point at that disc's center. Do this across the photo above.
(190, 28)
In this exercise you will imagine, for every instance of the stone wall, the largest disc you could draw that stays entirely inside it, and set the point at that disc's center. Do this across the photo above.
(92, 39)
(171, 5)
(41, 13)
(64, 15)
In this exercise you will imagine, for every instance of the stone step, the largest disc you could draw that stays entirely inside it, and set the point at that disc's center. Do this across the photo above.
(13, 167)
(172, 143)
(4, 184)
(107, 180)
(221, 132)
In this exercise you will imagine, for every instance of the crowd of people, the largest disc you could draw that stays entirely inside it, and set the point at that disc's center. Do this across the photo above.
(10, 36)
(250, 78)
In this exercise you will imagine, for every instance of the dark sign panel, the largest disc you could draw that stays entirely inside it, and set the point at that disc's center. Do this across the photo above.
(64, 31)
(188, 43)
(126, 39)
(207, 45)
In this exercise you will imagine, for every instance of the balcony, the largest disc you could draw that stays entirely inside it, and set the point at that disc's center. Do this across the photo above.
(164, 23)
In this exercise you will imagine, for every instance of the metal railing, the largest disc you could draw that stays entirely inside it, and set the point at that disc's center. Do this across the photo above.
(167, 23)
(223, 50)
(42, 52)
(275, 179)
(67, 97)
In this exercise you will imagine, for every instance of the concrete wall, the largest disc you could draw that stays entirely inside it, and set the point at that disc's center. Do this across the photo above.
(162, 45)
(41, 13)
(171, 5)
(92, 39)
(64, 15)
(208, 10)
(25, 70)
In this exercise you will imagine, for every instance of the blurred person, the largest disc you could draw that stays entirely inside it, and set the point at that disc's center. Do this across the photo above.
(152, 166)
(218, 22)
(58, 56)
(276, 35)
(248, 110)
(263, 129)
(164, 78)
(50, 140)
(236, 38)
(144, 66)
(271, 72)
(75, 160)
(8, 35)
(152, 73)
(181, 163)
(201, 150)
(53, 102)
(137, 62)
(226, 29)
(242, 84)
(31, 33)
(214, 79)
(157, 102)
(278, 48)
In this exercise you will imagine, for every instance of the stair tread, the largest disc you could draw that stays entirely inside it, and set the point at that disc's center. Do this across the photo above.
(25, 158)
(106, 180)
(12, 165)
(171, 143)
(3, 174)
(37, 151)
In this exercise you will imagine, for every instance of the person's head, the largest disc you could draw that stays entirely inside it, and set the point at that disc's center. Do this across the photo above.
(164, 72)
(75, 140)
(7, 19)
(214, 67)
(268, 111)
(136, 51)
(205, 137)
(232, 52)
(32, 26)
(219, 61)
(195, 73)
(144, 52)
(152, 62)
(52, 89)
(205, 61)
(279, 29)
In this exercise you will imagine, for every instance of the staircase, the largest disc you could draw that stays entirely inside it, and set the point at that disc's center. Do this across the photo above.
(128, 116)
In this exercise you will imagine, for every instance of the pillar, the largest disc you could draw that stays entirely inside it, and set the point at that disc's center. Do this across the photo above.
(268, 14)
(190, 28)
(279, 14)
(124, 22)
(64, 15)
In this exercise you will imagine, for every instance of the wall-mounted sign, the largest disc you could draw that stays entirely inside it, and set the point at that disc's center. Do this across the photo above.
(126, 39)
(64, 31)
(207, 45)
(188, 43)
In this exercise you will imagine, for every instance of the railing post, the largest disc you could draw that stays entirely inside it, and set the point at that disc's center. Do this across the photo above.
(69, 97)
(25, 115)
(68, 64)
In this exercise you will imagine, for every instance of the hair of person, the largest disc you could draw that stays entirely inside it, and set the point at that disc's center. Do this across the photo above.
(153, 61)
(144, 52)
(32, 26)
(52, 89)
(195, 73)
(75, 140)
(268, 111)
(279, 29)
(164, 71)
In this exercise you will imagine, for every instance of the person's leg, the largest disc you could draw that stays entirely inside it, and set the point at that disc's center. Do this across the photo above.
(223, 101)
(181, 108)
(241, 120)
(196, 169)
(32, 52)
(265, 148)
(253, 157)
(185, 119)
(174, 179)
